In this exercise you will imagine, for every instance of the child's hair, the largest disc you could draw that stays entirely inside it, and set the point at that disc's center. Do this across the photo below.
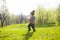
(32, 13)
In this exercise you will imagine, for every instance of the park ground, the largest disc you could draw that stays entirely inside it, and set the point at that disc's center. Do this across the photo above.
(19, 32)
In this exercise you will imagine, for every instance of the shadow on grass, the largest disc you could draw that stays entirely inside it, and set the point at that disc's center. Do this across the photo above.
(28, 35)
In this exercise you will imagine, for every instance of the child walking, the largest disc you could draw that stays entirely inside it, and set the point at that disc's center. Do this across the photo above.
(32, 21)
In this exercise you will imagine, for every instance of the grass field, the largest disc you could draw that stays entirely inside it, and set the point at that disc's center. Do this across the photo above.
(19, 32)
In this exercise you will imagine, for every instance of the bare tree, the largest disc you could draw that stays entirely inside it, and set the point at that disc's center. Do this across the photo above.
(4, 12)
(2, 18)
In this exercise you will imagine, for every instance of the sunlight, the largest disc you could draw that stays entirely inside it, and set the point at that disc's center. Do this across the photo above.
(26, 6)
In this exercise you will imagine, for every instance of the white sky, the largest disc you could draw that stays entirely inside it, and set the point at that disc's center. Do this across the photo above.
(26, 6)
(1, 3)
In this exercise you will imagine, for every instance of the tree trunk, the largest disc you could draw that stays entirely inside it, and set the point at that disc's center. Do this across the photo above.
(2, 24)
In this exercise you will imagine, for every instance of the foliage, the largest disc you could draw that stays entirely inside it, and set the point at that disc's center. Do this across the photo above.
(45, 16)
(58, 14)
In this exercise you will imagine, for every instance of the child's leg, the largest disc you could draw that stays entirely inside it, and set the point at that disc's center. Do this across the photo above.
(33, 27)
(29, 27)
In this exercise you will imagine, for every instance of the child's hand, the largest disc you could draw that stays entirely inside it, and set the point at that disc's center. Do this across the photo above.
(28, 17)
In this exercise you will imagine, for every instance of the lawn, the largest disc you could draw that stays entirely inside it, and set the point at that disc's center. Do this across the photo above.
(19, 32)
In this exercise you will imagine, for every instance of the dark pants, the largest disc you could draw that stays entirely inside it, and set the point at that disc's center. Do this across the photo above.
(31, 25)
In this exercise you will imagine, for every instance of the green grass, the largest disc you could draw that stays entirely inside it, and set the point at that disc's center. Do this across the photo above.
(19, 32)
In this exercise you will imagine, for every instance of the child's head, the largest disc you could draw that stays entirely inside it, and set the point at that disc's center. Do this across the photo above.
(32, 13)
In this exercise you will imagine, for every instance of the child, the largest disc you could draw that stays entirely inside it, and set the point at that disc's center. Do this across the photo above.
(32, 21)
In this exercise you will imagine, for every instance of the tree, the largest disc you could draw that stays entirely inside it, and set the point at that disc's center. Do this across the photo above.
(3, 17)
(58, 15)
(4, 13)
(45, 16)
(21, 18)
(40, 15)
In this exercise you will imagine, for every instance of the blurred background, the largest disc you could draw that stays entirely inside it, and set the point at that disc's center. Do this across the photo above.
(47, 12)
